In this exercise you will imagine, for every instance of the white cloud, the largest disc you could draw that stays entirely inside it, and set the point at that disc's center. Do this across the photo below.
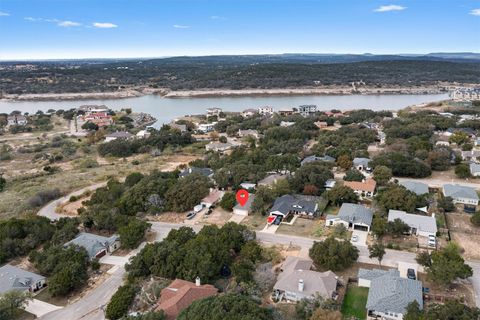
(217, 18)
(4, 14)
(104, 25)
(391, 7)
(179, 26)
(475, 12)
(32, 19)
(68, 24)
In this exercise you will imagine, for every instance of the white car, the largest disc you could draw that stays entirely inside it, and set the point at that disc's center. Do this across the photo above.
(354, 238)
(432, 242)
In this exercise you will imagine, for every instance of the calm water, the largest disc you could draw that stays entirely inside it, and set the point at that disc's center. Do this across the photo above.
(166, 109)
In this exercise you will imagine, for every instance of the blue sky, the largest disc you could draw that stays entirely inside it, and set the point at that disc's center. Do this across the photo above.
(152, 28)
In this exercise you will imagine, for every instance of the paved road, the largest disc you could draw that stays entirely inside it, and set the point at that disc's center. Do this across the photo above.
(40, 308)
(438, 182)
(49, 210)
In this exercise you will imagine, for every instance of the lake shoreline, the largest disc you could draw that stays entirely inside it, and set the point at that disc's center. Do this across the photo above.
(218, 93)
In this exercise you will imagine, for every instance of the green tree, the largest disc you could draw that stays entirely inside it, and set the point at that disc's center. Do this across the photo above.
(225, 306)
(353, 175)
(397, 197)
(133, 178)
(151, 315)
(341, 194)
(263, 199)
(462, 170)
(459, 137)
(475, 219)
(382, 175)
(451, 310)
(397, 227)
(344, 162)
(132, 234)
(11, 302)
(413, 311)
(3, 183)
(90, 126)
(446, 204)
(377, 250)
(379, 226)
(333, 254)
(187, 192)
(228, 201)
(447, 265)
(120, 302)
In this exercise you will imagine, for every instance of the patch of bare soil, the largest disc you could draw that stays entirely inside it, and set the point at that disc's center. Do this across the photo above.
(171, 217)
(218, 216)
(469, 243)
(439, 294)
(70, 208)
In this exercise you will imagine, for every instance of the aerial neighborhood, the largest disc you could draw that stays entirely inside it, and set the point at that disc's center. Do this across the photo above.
(353, 214)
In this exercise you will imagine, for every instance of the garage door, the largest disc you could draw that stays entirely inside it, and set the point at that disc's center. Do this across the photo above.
(359, 227)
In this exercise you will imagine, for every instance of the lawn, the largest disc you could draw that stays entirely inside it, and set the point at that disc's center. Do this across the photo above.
(354, 303)
(304, 228)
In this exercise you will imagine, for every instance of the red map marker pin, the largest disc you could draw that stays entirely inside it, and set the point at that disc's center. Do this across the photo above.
(242, 196)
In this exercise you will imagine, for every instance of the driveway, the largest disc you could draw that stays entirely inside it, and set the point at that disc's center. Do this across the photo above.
(272, 228)
(404, 266)
(362, 238)
(114, 260)
(237, 218)
(40, 308)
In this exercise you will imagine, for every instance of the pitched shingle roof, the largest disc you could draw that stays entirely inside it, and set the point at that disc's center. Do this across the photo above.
(361, 162)
(207, 172)
(422, 223)
(180, 294)
(368, 185)
(355, 213)
(92, 243)
(458, 191)
(474, 168)
(418, 188)
(390, 293)
(14, 278)
(288, 203)
(309, 159)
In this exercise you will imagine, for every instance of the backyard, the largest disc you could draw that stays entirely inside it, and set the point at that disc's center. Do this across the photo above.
(354, 302)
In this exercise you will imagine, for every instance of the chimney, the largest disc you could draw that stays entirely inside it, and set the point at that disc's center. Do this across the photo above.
(197, 282)
(300, 285)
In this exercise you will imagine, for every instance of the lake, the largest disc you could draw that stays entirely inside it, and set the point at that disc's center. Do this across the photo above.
(166, 109)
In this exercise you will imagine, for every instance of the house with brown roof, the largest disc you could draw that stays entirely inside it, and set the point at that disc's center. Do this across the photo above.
(180, 294)
(365, 188)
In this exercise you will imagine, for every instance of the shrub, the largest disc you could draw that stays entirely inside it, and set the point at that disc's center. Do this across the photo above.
(43, 197)
(120, 302)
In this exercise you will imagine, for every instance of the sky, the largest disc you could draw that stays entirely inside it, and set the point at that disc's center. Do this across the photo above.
(73, 29)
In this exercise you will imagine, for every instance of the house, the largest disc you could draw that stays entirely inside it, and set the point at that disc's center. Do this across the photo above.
(207, 172)
(181, 127)
(16, 120)
(266, 111)
(297, 281)
(462, 195)
(475, 169)
(206, 127)
(465, 94)
(14, 278)
(329, 184)
(472, 155)
(100, 118)
(306, 110)
(352, 216)
(321, 124)
(419, 188)
(270, 180)
(309, 159)
(180, 294)
(286, 112)
(468, 131)
(248, 185)
(389, 294)
(213, 112)
(248, 133)
(213, 197)
(142, 134)
(96, 246)
(288, 204)
(362, 164)
(93, 108)
(365, 188)
(246, 209)
(249, 113)
(286, 123)
(118, 135)
(218, 146)
(419, 225)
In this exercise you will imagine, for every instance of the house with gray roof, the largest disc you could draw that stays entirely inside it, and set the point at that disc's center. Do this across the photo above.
(96, 246)
(271, 179)
(297, 281)
(294, 204)
(118, 135)
(352, 216)
(475, 169)
(420, 225)
(246, 209)
(207, 172)
(462, 195)
(310, 159)
(471, 155)
(362, 164)
(14, 278)
(419, 188)
(389, 294)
